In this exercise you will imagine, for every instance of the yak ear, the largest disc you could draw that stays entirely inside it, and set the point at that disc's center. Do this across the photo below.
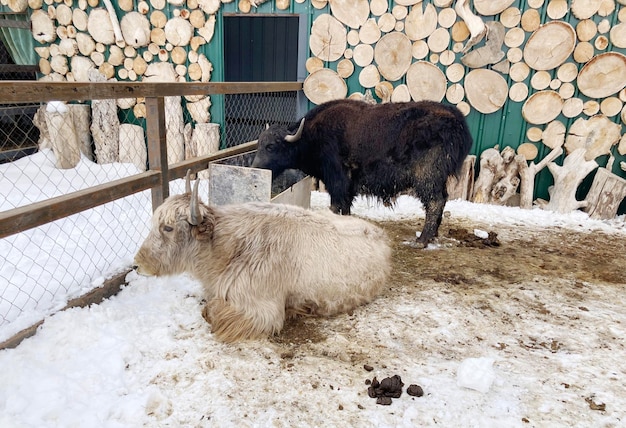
(203, 231)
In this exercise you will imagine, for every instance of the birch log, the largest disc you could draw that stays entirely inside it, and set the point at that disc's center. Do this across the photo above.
(104, 125)
(133, 146)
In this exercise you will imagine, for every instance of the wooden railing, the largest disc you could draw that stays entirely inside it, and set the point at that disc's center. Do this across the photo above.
(159, 174)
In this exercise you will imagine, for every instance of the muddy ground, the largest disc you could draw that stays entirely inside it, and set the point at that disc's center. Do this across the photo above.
(465, 264)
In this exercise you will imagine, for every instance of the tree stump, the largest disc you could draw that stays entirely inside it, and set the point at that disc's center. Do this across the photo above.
(63, 139)
(206, 140)
(133, 146)
(527, 175)
(104, 125)
(605, 195)
(463, 187)
(491, 171)
(174, 127)
(567, 178)
(81, 119)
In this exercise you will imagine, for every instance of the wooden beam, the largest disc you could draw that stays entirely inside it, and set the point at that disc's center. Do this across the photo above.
(10, 23)
(179, 170)
(14, 91)
(14, 68)
(157, 147)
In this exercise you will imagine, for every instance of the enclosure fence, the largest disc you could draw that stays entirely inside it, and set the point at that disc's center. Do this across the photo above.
(78, 188)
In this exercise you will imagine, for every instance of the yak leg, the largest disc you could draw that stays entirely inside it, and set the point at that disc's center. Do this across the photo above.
(338, 186)
(434, 212)
(230, 323)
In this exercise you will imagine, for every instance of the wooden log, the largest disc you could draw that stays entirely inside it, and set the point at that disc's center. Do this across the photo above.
(206, 139)
(132, 146)
(369, 33)
(421, 21)
(100, 26)
(39, 120)
(174, 126)
(491, 52)
(426, 81)
(605, 195)
(527, 173)
(207, 30)
(603, 76)
(104, 125)
(81, 120)
(505, 188)
(199, 110)
(178, 31)
(486, 90)
(353, 13)
(328, 38)
(491, 171)
(393, 55)
(475, 24)
(595, 136)
(135, 29)
(42, 27)
(463, 187)
(63, 139)
(528, 150)
(567, 178)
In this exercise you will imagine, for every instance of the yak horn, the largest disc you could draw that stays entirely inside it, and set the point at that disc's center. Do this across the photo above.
(295, 137)
(194, 209)
(188, 181)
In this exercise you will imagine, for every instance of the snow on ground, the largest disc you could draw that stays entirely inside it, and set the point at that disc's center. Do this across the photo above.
(146, 357)
(44, 267)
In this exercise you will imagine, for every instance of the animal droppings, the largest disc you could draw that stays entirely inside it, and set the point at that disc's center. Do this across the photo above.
(385, 390)
(415, 390)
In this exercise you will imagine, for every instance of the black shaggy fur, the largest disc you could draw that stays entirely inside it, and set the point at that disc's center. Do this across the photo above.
(377, 150)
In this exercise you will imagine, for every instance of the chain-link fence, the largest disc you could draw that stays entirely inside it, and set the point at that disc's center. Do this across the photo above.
(79, 146)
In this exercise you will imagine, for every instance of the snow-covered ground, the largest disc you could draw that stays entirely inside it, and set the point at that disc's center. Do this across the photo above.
(146, 357)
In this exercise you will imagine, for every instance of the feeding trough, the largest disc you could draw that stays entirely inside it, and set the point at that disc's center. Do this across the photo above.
(236, 184)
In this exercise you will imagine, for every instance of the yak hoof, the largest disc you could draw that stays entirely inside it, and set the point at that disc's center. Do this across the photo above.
(421, 243)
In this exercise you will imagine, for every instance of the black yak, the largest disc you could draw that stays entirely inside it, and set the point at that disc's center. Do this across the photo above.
(377, 150)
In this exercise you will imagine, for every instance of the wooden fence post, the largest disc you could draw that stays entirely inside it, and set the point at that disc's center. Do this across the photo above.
(157, 148)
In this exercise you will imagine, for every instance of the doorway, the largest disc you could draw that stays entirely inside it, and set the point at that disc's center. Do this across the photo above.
(262, 48)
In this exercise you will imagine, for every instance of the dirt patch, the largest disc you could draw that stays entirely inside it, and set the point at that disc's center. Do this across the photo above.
(472, 258)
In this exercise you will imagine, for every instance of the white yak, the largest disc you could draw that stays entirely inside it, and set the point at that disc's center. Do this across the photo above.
(262, 262)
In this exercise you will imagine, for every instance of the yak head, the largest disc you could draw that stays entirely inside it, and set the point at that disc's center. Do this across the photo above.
(180, 225)
(277, 150)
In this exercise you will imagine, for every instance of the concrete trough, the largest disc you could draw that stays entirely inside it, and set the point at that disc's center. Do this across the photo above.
(236, 184)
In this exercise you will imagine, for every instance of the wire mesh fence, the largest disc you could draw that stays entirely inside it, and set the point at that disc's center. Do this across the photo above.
(72, 146)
